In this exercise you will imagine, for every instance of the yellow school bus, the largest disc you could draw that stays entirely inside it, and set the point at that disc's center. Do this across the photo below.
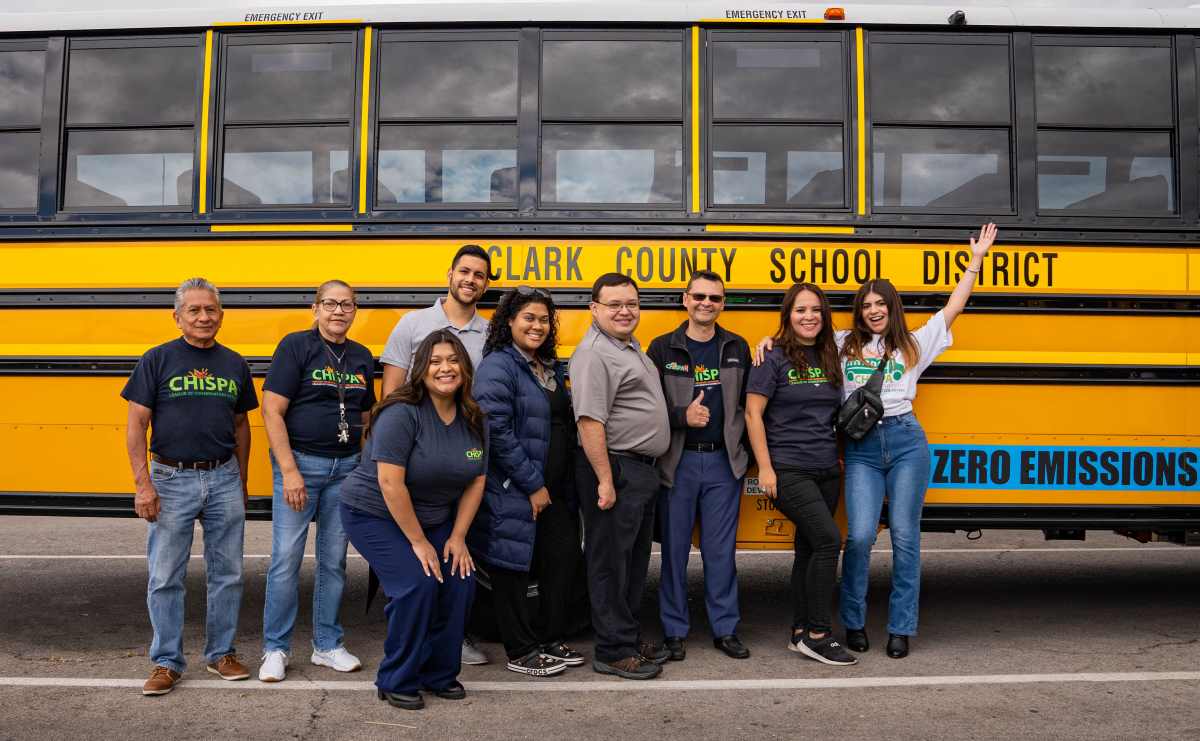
(269, 149)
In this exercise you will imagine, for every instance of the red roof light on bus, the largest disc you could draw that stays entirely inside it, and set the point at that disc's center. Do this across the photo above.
(835, 14)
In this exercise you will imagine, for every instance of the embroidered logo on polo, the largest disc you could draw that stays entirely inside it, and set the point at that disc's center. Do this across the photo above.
(809, 375)
(327, 376)
(677, 367)
(858, 371)
(201, 382)
(707, 376)
(474, 454)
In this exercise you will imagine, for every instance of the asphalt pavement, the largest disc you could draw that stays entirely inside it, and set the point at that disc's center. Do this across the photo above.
(1019, 638)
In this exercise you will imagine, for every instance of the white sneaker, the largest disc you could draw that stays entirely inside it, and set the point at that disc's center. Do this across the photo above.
(472, 655)
(274, 667)
(339, 660)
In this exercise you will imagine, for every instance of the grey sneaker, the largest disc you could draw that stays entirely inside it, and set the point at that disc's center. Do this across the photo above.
(472, 655)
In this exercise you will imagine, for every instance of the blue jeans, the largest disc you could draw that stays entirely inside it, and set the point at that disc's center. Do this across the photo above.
(215, 498)
(892, 461)
(704, 485)
(289, 531)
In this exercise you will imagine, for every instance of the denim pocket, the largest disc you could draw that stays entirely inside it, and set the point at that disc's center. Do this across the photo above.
(159, 472)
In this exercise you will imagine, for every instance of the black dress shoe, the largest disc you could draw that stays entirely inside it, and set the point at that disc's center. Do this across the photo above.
(401, 700)
(856, 640)
(897, 646)
(676, 649)
(454, 691)
(732, 647)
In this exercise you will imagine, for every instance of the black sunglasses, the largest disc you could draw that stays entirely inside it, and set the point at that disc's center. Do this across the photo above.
(716, 298)
(531, 291)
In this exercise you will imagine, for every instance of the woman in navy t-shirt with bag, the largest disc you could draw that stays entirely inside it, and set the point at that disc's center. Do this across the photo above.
(407, 508)
(892, 460)
(792, 399)
(315, 402)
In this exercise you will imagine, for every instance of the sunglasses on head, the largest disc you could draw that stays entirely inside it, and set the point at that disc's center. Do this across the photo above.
(531, 291)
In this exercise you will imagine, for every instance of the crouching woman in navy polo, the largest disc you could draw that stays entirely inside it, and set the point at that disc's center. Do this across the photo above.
(526, 518)
(407, 507)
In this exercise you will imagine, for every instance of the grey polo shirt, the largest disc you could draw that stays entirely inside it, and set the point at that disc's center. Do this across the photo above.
(614, 383)
(417, 325)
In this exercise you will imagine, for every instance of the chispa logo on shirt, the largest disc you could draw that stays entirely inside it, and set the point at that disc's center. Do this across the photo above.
(201, 382)
(327, 376)
(859, 371)
(474, 454)
(707, 376)
(811, 374)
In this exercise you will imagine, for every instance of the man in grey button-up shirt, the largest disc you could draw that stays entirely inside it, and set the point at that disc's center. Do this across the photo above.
(623, 427)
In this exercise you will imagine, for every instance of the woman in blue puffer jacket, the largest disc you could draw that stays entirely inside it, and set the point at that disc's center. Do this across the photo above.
(527, 517)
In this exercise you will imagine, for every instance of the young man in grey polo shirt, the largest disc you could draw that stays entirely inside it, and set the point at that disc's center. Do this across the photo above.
(623, 428)
(469, 274)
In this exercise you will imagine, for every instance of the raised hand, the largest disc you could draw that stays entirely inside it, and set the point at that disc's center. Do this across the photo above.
(987, 235)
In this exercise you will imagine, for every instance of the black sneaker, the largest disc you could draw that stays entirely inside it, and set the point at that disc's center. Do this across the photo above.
(631, 667)
(825, 650)
(536, 664)
(653, 652)
(563, 653)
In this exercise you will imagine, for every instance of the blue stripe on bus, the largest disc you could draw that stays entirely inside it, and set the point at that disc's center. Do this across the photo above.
(1092, 468)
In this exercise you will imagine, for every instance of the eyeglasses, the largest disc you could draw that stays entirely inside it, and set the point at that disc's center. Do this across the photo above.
(331, 306)
(531, 291)
(716, 298)
(616, 306)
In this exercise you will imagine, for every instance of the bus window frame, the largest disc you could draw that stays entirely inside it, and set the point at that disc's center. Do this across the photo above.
(42, 45)
(143, 41)
(953, 38)
(617, 211)
(378, 121)
(281, 212)
(1055, 217)
(710, 122)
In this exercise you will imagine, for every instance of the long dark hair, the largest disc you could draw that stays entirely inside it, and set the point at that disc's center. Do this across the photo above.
(895, 337)
(413, 390)
(824, 344)
(500, 334)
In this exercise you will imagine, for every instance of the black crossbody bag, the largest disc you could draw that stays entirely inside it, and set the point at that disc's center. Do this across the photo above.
(863, 408)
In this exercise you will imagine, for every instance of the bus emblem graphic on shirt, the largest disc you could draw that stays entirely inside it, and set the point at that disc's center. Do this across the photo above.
(474, 454)
(859, 371)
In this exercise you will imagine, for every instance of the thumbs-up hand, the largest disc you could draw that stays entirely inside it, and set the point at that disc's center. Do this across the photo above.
(697, 413)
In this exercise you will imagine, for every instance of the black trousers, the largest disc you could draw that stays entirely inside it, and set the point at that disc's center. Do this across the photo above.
(556, 556)
(809, 499)
(617, 550)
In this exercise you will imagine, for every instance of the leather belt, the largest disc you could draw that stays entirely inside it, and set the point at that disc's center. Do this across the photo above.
(648, 460)
(189, 465)
(704, 447)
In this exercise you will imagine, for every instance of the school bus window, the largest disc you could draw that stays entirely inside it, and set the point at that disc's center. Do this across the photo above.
(288, 108)
(778, 120)
(611, 78)
(22, 75)
(448, 122)
(940, 123)
(778, 80)
(448, 79)
(805, 166)
(130, 118)
(612, 164)
(467, 163)
(612, 120)
(1105, 118)
(941, 168)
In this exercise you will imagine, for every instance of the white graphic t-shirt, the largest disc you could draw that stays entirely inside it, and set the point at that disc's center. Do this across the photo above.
(899, 382)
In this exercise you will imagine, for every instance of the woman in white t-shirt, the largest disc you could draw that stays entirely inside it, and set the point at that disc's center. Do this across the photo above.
(893, 459)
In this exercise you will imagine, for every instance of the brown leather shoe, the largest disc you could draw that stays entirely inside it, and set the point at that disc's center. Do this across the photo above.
(228, 667)
(162, 680)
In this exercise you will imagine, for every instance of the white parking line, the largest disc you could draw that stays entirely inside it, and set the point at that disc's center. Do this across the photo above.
(695, 685)
(928, 551)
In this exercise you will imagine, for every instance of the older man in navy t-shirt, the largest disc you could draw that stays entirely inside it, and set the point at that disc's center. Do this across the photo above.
(194, 395)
